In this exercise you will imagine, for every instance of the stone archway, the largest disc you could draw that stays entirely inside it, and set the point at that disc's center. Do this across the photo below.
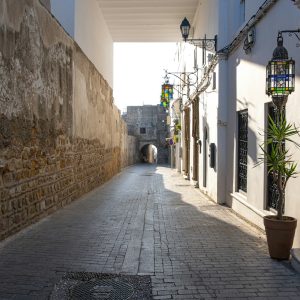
(148, 153)
(161, 148)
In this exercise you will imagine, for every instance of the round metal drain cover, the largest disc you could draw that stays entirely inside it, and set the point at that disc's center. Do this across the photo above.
(99, 289)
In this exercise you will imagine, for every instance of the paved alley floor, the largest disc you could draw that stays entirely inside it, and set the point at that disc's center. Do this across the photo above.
(147, 220)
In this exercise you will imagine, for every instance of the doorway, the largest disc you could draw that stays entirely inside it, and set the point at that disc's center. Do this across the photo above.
(187, 141)
(195, 135)
(205, 134)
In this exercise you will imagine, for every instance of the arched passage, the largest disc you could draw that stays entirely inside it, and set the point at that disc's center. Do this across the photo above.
(149, 154)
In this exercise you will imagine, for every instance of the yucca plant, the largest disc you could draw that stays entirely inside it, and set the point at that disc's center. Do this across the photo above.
(277, 157)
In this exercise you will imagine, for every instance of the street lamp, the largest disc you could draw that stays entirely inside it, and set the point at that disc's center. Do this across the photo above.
(185, 28)
(205, 44)
(280, 75)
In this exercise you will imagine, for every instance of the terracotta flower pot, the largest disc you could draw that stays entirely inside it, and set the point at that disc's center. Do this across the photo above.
(280, 236)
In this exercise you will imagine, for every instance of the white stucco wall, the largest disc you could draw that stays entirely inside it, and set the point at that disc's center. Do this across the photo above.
(84, 21)
(252, 7)
(231, 11)
(206, 19)
(64, 12)
(92, 35)
(246, 79)
(208, 110)
(205, 22)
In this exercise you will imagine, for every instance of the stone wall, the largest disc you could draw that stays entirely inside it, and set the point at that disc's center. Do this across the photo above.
(46, 3)
(148, 123)
(60, 134)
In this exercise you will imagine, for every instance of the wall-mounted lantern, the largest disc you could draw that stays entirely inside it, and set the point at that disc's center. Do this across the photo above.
(207, 44)
(185, 27)
(280, 74)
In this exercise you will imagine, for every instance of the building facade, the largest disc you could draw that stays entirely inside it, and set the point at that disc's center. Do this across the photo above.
(225, 113)
(148, 123)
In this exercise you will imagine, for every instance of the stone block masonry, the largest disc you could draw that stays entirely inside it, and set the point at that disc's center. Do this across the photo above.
(60, 134)
(148, 123)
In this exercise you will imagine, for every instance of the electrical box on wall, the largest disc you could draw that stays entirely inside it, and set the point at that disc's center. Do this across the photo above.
(212, 155)
(249, 40)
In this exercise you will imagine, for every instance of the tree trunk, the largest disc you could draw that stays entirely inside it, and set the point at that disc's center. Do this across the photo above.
(280, 183)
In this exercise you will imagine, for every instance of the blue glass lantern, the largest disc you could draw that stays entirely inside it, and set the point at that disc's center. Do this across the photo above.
(280, 72)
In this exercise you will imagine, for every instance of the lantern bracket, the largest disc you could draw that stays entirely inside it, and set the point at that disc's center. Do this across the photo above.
(294, 32)
(177, 89)
(205, 43)
(190, 79)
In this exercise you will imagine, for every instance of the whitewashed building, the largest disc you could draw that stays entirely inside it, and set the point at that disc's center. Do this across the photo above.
(85, 23)
(231, 104)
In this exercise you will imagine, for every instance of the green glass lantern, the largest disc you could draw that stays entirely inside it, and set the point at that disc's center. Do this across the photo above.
(280, 72)
(166, 94)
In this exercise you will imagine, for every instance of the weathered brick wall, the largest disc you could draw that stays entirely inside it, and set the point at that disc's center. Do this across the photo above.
(60, 134)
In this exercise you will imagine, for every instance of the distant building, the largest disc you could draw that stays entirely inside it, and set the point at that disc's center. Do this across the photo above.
(149, 124)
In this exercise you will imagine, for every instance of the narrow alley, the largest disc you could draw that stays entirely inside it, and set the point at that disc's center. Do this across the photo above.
(147, 220)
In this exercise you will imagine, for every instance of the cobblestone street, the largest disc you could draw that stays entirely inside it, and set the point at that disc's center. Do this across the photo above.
(147, 220)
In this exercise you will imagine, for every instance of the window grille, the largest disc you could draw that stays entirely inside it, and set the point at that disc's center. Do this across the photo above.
(242, 149)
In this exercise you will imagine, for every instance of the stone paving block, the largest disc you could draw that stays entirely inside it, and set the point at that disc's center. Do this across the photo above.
(155, 225)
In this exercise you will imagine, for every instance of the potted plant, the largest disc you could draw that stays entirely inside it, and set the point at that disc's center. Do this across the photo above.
(280, 229)
(280, 83)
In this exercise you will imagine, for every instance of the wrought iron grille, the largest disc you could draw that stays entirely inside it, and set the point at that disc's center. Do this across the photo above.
(242, 149)
(272, 193)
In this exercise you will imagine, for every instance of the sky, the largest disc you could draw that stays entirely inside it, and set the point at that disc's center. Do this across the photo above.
(139, 71)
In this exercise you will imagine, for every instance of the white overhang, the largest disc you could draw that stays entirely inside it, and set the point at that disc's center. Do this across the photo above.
(146, 20)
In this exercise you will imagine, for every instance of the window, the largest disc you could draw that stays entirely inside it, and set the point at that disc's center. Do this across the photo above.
(272, 193)
(242, 11)
(142, 130)
(242, 149)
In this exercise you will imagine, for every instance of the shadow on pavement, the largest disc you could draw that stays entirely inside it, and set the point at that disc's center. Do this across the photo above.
(147, 220)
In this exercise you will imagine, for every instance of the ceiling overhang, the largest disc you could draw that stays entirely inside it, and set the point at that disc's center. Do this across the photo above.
(146, 20)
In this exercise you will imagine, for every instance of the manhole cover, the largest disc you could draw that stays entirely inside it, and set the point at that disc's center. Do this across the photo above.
(108, 289)
(98, 286)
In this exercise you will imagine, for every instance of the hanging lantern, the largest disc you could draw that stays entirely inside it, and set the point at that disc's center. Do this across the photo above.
(280, 72)
(166, 94)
